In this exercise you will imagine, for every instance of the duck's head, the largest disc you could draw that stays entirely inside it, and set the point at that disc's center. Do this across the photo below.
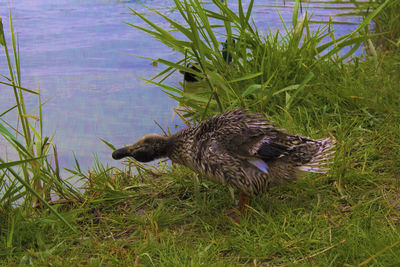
(147, 148)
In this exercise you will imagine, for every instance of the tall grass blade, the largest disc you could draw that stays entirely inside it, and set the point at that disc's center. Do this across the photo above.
(295, 13)
(10, 164)
(108, 144)
(37, 195)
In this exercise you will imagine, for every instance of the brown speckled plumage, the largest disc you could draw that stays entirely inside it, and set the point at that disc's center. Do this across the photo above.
(238, 149)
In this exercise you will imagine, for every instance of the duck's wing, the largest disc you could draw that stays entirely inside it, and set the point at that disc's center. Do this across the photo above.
(247, 135)
(269, 150)
(261, 147)
(250, 135)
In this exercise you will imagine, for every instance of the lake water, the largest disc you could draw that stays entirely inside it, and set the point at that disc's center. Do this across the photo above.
(76, 52)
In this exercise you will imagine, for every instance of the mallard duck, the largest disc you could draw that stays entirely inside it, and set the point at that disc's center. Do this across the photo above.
(189, 77)
(239, 149)
(225, 51)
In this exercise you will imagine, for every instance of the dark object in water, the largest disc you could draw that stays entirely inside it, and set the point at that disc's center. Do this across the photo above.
(225, 54)
(190, 77)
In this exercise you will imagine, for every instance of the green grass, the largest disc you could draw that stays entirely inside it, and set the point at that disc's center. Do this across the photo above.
(388, 22)
(169, 216)
(268, 69)
(165, 217)
(29, 180)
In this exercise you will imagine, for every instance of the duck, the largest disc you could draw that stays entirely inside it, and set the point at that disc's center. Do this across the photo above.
(239, 149)
(191, 77)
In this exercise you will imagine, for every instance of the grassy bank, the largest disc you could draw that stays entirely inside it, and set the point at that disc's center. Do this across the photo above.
(169, 216)
(158, 218)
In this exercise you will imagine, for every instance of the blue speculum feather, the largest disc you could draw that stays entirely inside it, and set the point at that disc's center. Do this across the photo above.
(260, 164)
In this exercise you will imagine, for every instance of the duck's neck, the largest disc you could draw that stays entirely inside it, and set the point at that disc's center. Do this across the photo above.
(161, 146)
(179, 146)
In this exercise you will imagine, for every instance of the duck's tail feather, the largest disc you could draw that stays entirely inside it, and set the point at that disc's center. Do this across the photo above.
(322, 154)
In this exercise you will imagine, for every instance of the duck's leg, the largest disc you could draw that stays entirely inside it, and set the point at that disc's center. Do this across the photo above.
(244, 200)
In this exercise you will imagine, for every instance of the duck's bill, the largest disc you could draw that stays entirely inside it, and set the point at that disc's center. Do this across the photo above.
(121, 153)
